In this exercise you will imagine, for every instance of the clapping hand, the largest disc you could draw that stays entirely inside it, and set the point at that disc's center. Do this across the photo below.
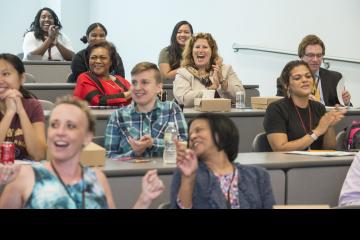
(152, 187)
(139, 146)
(8, 173)
(53, 34)
(346, 97)
(186, 160)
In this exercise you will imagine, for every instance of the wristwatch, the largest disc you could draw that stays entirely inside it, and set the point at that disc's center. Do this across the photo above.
(313, 135)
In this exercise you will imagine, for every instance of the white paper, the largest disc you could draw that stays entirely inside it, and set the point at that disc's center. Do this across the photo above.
(339, 90)
(324, 153)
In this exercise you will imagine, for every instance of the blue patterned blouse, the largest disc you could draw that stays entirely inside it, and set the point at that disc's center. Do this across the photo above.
(49, 193)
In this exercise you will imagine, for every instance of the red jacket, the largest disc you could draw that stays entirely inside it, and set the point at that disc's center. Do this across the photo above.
(101, 92)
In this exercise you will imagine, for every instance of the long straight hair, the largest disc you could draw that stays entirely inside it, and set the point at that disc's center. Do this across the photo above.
(175, 50)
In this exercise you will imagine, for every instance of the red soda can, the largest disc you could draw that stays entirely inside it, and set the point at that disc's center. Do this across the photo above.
(7, 152)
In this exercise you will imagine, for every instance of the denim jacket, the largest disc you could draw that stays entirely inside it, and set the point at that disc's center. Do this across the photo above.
(254, 184)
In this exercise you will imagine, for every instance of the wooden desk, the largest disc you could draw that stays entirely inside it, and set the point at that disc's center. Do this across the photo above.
(49, 71)
(296, 179)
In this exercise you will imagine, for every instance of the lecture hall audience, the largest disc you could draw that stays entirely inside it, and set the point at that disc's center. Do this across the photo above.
(44, 40)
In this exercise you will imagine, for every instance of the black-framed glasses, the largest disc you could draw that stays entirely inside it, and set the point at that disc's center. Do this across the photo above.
(313, 55)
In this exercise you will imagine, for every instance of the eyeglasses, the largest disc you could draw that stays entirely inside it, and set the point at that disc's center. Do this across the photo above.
(313, 55)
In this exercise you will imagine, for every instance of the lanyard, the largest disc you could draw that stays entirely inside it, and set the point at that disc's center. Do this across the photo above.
(300, 118)
(67, 190)
(228, 202)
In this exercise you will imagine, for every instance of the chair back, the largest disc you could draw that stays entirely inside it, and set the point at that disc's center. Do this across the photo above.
(99, 140)
(260, 143)
(340, 138)
(29, 78)
(46, 105)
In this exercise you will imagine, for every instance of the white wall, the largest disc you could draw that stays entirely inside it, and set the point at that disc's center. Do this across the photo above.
(140, 29)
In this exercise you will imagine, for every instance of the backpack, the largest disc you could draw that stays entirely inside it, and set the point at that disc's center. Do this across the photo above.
(352, 136)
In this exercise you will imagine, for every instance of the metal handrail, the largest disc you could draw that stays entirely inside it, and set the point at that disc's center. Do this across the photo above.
(237, 47)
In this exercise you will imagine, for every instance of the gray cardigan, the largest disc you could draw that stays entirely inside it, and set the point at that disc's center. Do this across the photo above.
(254, 183)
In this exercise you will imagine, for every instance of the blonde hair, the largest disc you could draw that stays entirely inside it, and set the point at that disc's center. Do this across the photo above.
(82, 105)
(187, 57)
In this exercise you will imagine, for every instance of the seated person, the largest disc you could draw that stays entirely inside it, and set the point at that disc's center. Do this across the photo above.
(95, 33)
(63, 182)
(312, 50)
(22, 118)
(206, 175)
(170, 57)
(350, 191)
(138, 129)
(98, 86)
(296, 122)
(44, 39)
(201, 69)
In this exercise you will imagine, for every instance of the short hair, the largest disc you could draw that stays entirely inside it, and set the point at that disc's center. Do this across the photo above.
(107, 45)
(35, 25)
(286, 72)
(310, 40)
(187, 54)
(224, 133)
(145, 66)
(82, 105)
(16, 62)
(175, 50)
(84, 39)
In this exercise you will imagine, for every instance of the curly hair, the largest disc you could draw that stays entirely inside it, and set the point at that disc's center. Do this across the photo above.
(188, 60)
(35, 25)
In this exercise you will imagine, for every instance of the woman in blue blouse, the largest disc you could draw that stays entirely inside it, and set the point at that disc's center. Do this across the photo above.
(206, 175)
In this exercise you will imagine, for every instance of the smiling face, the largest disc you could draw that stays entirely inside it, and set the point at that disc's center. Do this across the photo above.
(201, 53)
(97, 35)
(301, 81)
(9, 77)
(100, 62)
(200, 138)
(183, 34)
(46, 19)
(145, 88)
(67, 132)
(313, 56)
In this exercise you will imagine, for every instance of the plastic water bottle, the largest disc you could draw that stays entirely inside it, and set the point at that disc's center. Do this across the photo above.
(240, 99)
(170, 134)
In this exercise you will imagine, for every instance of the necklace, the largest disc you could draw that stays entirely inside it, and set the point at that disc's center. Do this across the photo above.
(300, 118)
(67, 190)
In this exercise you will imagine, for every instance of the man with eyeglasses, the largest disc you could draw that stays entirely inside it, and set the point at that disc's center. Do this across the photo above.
(312, 50)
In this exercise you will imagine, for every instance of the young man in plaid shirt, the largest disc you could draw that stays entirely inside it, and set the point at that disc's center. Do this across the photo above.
(137, 130)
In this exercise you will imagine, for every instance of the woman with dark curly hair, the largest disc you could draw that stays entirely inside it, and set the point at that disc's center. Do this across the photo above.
(44, 39)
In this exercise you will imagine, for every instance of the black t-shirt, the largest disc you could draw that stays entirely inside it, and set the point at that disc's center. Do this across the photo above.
(282, 117)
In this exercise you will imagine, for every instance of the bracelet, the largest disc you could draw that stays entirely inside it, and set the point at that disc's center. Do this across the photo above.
(313, 135)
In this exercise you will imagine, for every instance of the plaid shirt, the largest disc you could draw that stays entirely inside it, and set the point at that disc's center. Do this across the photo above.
(126, 122)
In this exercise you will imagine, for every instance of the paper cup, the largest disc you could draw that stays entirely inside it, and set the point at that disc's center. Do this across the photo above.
(208, 94)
